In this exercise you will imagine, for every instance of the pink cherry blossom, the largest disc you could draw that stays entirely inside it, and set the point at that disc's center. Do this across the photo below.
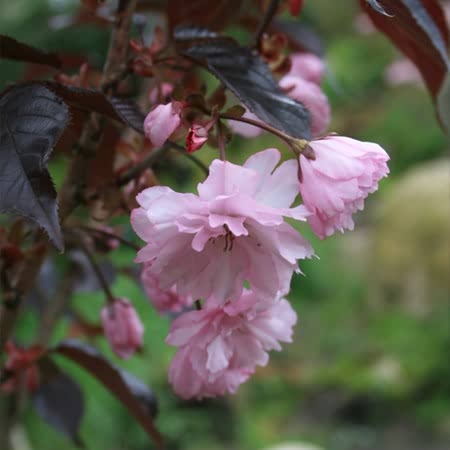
(196, 137)
(233, 231)
(312, 97)
(167, 300)
(161, 122)
(245, 129)
(122, 327)
(307, 66)
(219, 348)
(335, 184)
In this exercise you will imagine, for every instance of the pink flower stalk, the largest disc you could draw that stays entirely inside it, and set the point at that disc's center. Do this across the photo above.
(312, 97)
(245, 129)
(335, 184)
(196, 137)
(307, 66)
(164, 301)
(122, 327)
(233, 231)
(161, 122)
(219, 348)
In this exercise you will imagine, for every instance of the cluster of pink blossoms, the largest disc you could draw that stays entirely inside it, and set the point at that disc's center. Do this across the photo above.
(229, 249)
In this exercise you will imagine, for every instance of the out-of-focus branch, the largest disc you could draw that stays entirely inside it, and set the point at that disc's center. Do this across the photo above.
(56, 308)
(15, 289)
(69, 198)
(265, 21)
(194, 159)
(147, 162)
(113, 71)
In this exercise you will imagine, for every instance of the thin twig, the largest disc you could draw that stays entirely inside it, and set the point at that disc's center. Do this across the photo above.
(56, 308)
(265, 21)
(147, 162)
(75, 182)
(96, 268)
(194, 159)
(285, 137)
(109, 235)
(221, 140)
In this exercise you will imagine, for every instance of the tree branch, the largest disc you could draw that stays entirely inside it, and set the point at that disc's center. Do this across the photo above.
(265, 21)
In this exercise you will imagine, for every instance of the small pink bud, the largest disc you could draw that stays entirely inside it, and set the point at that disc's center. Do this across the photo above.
(161, 122)
(196, 137)
(122, 327)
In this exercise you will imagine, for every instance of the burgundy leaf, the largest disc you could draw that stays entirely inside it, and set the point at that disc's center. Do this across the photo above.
(12, 49)
(250, 79)
(133, 393)
(121, 110)
(375, 5)
(59, 401)
(32, 118)
(215, 15)
(419, 29)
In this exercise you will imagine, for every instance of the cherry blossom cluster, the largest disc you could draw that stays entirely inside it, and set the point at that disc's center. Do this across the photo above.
(223, 259)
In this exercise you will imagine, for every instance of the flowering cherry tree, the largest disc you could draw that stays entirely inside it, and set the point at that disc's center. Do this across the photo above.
(220, 261)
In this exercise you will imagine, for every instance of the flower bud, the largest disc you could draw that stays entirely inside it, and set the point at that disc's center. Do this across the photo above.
(122, 327)
(161, 122)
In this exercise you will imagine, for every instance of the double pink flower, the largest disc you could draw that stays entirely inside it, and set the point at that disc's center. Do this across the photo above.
(220, 347)
(233, 231)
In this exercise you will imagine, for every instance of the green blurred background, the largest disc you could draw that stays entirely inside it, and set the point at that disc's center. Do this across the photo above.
(369, 368)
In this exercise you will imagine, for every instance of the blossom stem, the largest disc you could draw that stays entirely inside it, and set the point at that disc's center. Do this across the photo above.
(221, 140)
(96, 268)
(124, 241)
(198, 305)
(147, 162)
(180, 149)
(297, 145)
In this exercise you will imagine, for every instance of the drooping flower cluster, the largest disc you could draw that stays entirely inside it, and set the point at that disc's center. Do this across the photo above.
(207, 246)
(229, 248)
(219, 347)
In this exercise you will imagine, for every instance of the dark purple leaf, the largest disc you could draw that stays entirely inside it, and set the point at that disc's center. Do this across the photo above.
(375, 5)
(12, 49)
(133, 393)
(213, 14)
(190, 33)
(122, 110)
(250, 79)
(419, 29)
(32, 119)
(60, 403)
(301, 37)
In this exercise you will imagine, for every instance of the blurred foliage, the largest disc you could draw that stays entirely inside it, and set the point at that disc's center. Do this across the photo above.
(366, 371)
